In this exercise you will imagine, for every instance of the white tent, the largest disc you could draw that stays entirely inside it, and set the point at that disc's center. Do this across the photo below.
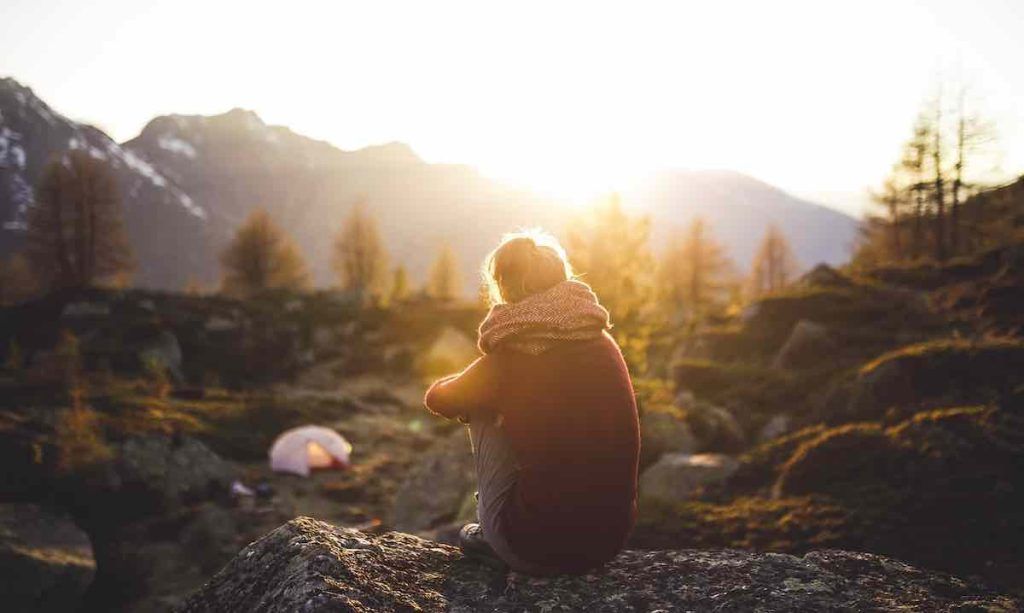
(301, 449)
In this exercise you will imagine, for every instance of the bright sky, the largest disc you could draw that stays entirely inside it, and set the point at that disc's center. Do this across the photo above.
(568, 97)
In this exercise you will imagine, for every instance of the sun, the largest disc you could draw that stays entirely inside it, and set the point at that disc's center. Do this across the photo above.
(573, 185)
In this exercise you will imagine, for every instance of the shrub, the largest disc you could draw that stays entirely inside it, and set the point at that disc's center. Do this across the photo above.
(81, 448)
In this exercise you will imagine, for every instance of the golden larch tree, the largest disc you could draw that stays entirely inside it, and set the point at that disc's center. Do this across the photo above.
(359, 258)
(262, 257)
(695, 274)
(609, 250)
(774, 266)
(399, 285)
(76, 235)
(444, 281)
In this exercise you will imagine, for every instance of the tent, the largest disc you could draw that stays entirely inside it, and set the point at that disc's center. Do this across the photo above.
(301, 449)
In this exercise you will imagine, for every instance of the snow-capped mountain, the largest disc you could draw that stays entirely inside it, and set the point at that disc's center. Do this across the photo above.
(168, 229)
(234, 163)
(188, 181)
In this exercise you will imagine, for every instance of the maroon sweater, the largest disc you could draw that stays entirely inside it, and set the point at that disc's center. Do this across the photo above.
(571, 420)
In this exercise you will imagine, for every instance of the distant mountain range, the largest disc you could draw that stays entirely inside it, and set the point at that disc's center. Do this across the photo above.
(188, 181)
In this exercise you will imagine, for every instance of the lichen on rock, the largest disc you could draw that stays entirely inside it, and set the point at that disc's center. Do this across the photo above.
(307, 565)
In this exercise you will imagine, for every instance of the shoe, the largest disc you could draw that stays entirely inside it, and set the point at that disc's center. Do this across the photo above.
(474, 545)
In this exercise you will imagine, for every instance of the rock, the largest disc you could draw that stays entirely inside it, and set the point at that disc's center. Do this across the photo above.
(165, 352)
(808, 345)
(152, 564)
(209, 535)
(46, 562)
(167, 472)
(685, 398)
(678, 476)
(434, 490)
(221, 324)
(936, 374)
(714, 427)
(662, 432)
(146, 304)
(750, 312)
(84, 310)
(944, 488)
(774, 428)
(307, 565)
(323, 337)
(824, 275)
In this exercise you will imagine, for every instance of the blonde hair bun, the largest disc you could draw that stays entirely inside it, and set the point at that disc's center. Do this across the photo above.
(523, 264)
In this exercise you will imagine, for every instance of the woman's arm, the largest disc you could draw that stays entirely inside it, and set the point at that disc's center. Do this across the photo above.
(465, 393)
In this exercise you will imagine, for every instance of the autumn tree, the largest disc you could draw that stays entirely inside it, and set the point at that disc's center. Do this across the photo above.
(695, 273)
(359, 257)
(973, 140)
(444, 281)
(774, 265)
(76, 234)
(609, 249)
(883, 237)
(17, 283)
(923, 199)
(262, 257)
(399, 285)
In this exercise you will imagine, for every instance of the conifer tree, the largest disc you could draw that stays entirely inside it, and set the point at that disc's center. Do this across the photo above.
(17, 283)
(262, 257)
(399, 285)
(609, 250)
(359, 257)
(444, 282)
(775, 266)
(76, 234)
(695, 274)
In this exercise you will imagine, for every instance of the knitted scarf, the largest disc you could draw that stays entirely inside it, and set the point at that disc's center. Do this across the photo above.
(567, 311)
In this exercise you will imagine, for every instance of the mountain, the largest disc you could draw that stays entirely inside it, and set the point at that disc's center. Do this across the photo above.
(169, 231)
(233, 163)
(740, 208)
(189, 181)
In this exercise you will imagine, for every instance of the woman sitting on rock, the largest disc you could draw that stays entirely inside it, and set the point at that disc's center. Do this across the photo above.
(551, 414)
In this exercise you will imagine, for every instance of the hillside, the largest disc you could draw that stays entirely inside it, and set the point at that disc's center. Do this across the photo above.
(877, 413)
(188, 181)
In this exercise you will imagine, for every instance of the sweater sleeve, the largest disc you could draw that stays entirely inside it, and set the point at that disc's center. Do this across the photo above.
(465, 393)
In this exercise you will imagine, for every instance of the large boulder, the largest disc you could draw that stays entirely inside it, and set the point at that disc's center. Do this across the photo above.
(776, 426)
(808, 345)
(435, 489)
(824, 275)
(163, 351)
(46, 562)
(161, 473)
(936, 374)
(152, 564)
(664, 432)
(714, 427)
(679, 476)
(944, 488)
(307, 565)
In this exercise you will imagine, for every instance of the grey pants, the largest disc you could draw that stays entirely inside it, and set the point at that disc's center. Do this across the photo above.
(496, 474)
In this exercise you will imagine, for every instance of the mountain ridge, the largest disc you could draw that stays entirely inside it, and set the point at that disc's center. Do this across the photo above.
(190, 180)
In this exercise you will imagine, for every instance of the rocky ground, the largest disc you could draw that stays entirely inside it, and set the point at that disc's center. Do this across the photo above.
(306, 565)
(878, 412)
